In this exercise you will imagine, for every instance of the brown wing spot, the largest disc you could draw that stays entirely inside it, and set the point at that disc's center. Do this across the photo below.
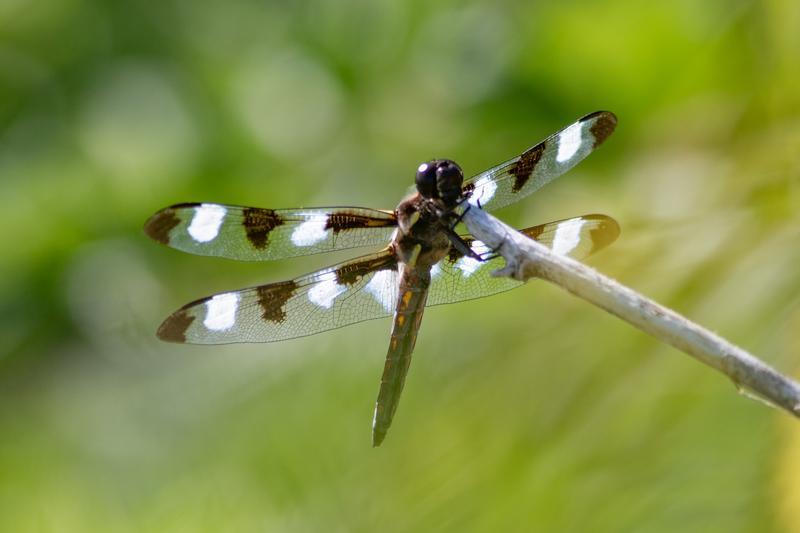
(343, 221)
(258, 223)
(272, 299)
(160, 224)
(604, 234)
(173, 329)
(604, 125)
(533, 232)
(351, 273)
(523, 168)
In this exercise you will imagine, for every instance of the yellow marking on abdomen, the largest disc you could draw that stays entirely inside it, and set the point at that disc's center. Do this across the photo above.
(407, 297)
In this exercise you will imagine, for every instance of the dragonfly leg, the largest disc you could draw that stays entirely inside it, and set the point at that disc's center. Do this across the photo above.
(460, 245)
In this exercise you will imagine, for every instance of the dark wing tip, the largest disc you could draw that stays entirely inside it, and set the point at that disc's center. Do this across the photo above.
(607, 231)
(173, 329)
(605, 122)
(602, 115)
(160, 224)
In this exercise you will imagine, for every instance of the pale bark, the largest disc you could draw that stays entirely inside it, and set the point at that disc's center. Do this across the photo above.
(526, 258)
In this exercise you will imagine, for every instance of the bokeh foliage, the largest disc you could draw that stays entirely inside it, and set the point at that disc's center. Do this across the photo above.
(528, 411)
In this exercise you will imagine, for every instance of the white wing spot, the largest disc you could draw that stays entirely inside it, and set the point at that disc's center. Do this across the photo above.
(436, 271)
(484, 190)
(568, 236)
(311, 231)
(569, 141)
(206, 222)
(383, 287)
(221, 311)
(480, 248)
(469, 265)
(326, 290)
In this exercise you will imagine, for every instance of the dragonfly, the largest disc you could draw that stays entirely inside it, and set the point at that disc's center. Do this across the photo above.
(424, 262)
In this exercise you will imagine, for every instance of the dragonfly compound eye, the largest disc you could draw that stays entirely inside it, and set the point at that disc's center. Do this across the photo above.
(426, 179)
(449, 178)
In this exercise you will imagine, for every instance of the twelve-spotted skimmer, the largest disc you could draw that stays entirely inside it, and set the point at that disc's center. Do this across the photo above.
(425, 262)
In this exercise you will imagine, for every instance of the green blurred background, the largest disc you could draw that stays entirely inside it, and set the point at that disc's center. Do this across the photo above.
(528, 411)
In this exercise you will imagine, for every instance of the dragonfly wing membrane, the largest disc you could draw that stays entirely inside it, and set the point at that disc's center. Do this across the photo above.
(540, 164)
(351, 292)
(258, 234)
(458, 277)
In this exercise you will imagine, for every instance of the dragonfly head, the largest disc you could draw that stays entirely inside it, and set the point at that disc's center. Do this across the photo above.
(440, 178)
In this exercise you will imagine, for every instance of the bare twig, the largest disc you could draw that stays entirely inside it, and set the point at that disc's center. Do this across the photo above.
(526, 258)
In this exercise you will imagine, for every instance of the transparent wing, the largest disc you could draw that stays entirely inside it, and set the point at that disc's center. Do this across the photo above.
(540, 164)
(457, 278)
(257, 234)
(362, 289)
(354, 291)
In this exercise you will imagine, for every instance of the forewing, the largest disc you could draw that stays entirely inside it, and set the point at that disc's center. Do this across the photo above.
(457, 277)
(354, 291)
(540, 164)
(257, 234)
